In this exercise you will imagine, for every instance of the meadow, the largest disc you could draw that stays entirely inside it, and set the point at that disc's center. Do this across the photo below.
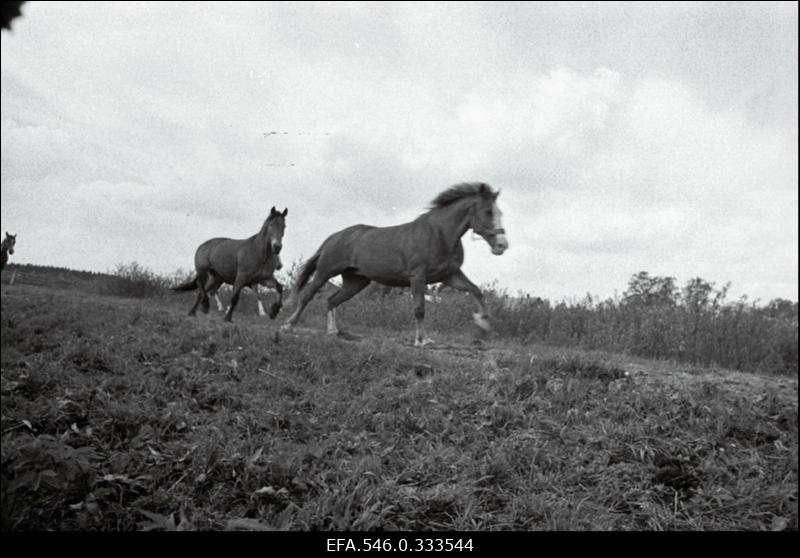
(122, 413)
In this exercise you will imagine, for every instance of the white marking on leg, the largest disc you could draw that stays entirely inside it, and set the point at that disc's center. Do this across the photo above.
(261, 311)
(219, 303)
(332, 329)
(420, 340)
(292, 320)
(481, 320)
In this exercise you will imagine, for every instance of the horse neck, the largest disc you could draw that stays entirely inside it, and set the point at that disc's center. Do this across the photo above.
(451, 220)
(262, 237)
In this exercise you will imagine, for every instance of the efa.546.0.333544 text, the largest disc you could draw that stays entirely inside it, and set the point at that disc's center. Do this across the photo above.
(398, 545)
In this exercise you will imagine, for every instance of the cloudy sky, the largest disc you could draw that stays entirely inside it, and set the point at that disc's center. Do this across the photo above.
(624, 137)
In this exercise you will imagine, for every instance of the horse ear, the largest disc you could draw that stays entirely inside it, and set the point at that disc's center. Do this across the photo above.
(285, 211)
(496, 194)
(483, 188)
(272, 211)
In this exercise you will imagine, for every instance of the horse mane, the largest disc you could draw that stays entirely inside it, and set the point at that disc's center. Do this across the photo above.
(460, 191)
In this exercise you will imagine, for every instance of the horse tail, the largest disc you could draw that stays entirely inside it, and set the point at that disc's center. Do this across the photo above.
(306, 271)
(188, 286)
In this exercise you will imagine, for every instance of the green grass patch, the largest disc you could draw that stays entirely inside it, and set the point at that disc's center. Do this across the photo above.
(122, 414)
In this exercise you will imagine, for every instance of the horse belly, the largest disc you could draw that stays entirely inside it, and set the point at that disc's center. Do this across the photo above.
(386, 266)
(442, 271)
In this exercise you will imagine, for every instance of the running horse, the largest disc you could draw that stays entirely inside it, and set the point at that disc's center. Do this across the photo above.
(242, 263)
(426, 250)
(6, 249)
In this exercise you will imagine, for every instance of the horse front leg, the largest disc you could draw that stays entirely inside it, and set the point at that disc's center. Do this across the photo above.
(259, 297)
(459, 281)
(220, 307)
(276, 306)
(418, 287)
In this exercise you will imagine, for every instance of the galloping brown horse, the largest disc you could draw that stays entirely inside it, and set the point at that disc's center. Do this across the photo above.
(241, 263)
(6, 248)
(426, 250)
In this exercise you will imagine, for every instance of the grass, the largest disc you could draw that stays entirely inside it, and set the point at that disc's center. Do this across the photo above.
(123, 414)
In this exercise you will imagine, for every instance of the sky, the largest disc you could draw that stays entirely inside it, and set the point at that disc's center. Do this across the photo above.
(624, 137)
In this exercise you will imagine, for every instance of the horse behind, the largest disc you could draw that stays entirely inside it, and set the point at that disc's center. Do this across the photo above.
(242, 263)
(7, 248)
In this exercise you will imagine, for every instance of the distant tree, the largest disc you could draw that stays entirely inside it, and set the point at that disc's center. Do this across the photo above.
(782, 308)
(697, 294)
(644, 290)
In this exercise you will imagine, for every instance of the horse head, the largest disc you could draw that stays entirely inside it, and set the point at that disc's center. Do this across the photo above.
(11, 240)
(275, 228)
(486, 219)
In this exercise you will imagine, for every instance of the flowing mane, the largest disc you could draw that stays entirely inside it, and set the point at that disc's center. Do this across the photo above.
(459, 191)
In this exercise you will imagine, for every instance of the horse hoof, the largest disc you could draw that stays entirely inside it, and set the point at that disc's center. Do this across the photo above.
(273, 311)
(286, 327)
(481, 321)
(423, 342)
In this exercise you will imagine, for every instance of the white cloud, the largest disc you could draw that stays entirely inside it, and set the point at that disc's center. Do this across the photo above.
(607, 166)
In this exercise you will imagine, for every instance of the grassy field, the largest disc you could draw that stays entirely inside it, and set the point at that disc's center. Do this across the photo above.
(125, 414)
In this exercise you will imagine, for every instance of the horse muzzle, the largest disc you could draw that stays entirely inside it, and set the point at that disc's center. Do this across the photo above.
(500, 246)
(497, 240)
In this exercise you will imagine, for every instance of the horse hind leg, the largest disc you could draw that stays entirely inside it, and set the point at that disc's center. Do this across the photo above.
(352, 284)
(205, 304)
(304, 298)
(202, 295)
(212, 287)
(418, 288)
(237, 289)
